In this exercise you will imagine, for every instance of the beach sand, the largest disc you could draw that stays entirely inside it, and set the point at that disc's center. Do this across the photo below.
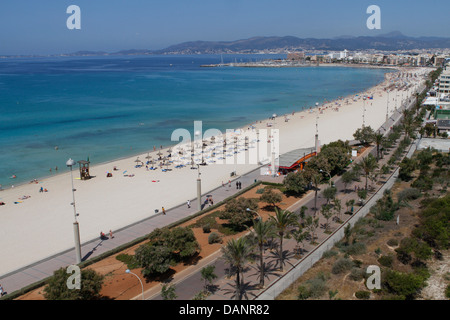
(41, 225)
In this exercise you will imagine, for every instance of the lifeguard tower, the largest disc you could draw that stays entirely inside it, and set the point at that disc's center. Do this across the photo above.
(84, 169)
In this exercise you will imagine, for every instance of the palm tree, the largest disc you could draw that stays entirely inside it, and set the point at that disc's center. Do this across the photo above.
(368, 165)
(262, 230)
(379, 137)
(316, 180)
(282, 220)
(237, 253)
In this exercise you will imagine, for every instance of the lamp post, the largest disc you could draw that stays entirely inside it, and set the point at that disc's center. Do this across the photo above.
(76, 228)
(387, 109)
(326, 173)
(142, 286)
(364, 112)
(199, 189)
(250, 210)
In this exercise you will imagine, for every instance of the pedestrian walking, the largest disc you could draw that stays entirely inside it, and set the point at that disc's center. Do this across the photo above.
(240, 185)
(237, 185)
(229, 183)
(2, 292)
(111, 234)
(188, 204)
(163, 210)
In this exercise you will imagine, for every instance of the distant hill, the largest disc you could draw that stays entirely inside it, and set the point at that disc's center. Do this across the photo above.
(389, 42)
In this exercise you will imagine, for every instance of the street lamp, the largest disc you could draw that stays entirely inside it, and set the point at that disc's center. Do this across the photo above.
(387, 108)
(364, 112)
(199, 189)
(142, 286)
(326, 173)
(76, 228)
(250, 210)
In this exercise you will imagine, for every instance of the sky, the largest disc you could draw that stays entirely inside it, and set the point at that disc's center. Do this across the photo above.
(39, 26)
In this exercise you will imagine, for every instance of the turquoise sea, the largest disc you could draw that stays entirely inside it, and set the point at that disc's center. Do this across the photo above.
(109, 107)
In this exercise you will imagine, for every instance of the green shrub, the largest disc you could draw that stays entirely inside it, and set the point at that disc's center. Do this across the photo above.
(357, 274)
(317, 287)
(355, 248)
(329, 254)
(407, 285)
(362, 295)
(408, 194)
(447, 291)
(342, 265)
(206, 228)
(386, 261)
(214, 238)
(303, 293)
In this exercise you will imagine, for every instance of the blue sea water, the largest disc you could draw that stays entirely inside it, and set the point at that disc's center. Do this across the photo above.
(103, 108)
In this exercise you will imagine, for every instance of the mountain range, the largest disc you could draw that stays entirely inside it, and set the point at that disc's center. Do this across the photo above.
(388, 42)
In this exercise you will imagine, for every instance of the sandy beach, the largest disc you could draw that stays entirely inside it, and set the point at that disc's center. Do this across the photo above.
(35, 225)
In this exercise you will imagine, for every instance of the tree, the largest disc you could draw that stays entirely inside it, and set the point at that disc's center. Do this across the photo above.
(237, 253)
(90, 286)
(271, 197)
(368, 164)
(407, 167)
(365, 135)
(350, 203)
(295, 182)
(412, 248)
(311, 224)
(282, 220)
(208, 275)
(406, 285)
(347, 178)
(327, 214)
(237, 213)
(154, 259)
(180, 241)
(329, 193)
(362, 194)
(337, 207)
(337, 158)
(378, 138)
(299, 236)
(168, 292)
(262, 230)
